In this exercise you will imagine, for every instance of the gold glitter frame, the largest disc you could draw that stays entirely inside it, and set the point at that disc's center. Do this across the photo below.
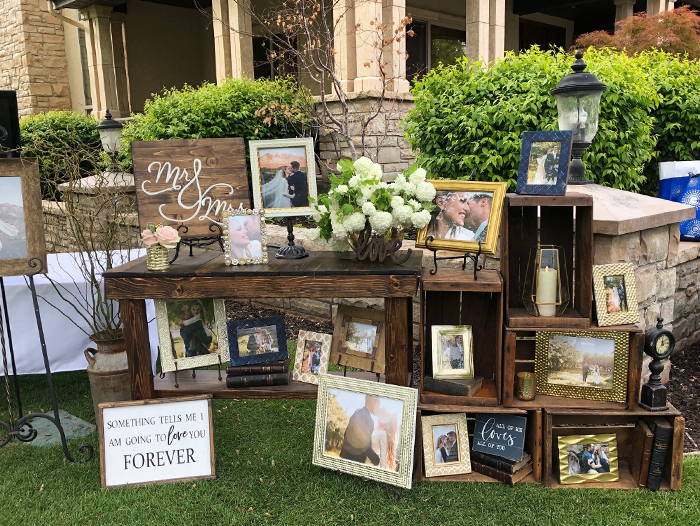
(619, 269)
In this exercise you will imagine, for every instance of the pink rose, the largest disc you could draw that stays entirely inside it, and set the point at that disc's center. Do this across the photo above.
(167, 236)
(148, 238)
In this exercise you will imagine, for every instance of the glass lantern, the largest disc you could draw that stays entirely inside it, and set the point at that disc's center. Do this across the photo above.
(111, 136)
(546, 291)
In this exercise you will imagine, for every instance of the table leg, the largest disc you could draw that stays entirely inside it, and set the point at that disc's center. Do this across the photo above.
(397, 348)
(138, 349)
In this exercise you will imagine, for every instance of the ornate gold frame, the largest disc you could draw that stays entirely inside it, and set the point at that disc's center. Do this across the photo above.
(466, 332)
(464, 465)
(566, 478)
(228, 258)
(325, 340)
(627, 271)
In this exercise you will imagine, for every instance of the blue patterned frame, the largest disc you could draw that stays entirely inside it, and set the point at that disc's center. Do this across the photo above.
(234, 325)
(564, 137)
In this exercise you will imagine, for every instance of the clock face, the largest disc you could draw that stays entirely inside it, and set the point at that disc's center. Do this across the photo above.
(662, 344)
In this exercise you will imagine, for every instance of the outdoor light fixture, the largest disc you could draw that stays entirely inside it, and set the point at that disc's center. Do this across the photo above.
(111, 137)
(578, 101)
(546, 292)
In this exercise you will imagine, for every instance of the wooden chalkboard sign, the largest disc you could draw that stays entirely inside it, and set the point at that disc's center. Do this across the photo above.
(502, 435)
(147, 441)
(189, 182)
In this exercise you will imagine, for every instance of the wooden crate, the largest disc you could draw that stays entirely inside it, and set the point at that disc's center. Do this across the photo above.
(562, 422)
(533, 444)
(453, 297)
(566, 221)
(519, 355)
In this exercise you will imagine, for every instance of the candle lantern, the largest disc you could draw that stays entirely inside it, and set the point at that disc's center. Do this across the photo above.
(546, 292)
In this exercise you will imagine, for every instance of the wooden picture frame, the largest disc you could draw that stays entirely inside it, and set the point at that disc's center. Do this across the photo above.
(167, 342)
(570, 378)
(615, 291)
(541, 171)
(268, 156)
(466, 202)
(440, 371)
(568, 447)
(23, 249)
(352, 354)
(395, 409)
(236, 221)
(436, 466)
(306, 368)
(270, 340)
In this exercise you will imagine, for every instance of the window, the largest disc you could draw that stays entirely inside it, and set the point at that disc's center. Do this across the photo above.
(267, 64)
(446, 45)
(431, 45)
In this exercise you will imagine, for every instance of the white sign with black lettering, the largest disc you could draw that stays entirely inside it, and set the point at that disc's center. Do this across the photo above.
(156, 441)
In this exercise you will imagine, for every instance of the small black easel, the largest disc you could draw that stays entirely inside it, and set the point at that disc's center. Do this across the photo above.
(201, 241)
(474, 257)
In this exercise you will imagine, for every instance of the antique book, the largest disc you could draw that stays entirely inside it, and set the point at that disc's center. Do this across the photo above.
(453, 386)
(258, 368)
(257, 380)
(510, 478)
(663, 434)
(642, 442)
(500, 463)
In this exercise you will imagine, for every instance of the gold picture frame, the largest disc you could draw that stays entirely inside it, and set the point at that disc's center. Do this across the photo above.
(440, 371)
(568, 376)
(343, 402)
(304, 364)
(569, 455)
(458, 239)
(361, 347)
(433, 425)
(236, 253)
(615, 290)
(170, 347)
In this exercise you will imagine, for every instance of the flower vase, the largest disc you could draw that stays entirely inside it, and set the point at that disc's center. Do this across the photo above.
(157, 258)
(375, 247)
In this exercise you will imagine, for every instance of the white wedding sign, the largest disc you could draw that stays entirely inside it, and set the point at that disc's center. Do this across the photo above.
(167, 440)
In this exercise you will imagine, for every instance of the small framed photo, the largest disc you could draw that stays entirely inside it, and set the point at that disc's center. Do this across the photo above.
(588, 458)
(365, 429)
(452, 351)
(445, 444)
(245, 237)
(358, 338)
(582, 364)
(466, 213)
(313, 350)
(544, 162)
(284, 176)
(191, 333)
(615, 289)
(259, 340)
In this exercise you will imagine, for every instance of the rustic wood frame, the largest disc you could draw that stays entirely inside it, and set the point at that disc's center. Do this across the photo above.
(341, 355)
(566, 478)
(626, 270)
(432, 469)
(228, 257)
(325, 340)
(466, 332)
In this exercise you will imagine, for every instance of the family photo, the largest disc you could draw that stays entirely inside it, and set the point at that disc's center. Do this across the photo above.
(283, 175)
(192, 328)
(244, 236)
(580, 361)
(446, 444)
(587, 459)
(615, 294)
(544, 163)
(13, 236)
(257, 340)
(311, 357)
(360, 337)
(363, 428)
(460, 216)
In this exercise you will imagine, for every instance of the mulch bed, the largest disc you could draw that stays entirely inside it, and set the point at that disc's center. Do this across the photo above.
(684, 393)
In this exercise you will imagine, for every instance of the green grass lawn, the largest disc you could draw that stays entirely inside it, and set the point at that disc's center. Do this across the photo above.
(265, 476)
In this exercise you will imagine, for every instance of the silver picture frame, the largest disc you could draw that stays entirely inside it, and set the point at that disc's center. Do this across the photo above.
(257, 257)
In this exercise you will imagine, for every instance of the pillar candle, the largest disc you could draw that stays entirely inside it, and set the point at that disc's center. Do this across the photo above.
(547, 291)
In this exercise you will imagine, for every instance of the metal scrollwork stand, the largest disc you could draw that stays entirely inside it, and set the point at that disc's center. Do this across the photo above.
(474, 257)
(202, 241)
(23, 430)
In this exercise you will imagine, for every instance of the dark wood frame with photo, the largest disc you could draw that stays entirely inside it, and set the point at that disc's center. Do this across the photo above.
(279, 356)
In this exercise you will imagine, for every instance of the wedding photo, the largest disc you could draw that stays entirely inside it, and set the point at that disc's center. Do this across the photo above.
(452, 351)
(543, 163)
(587, 459)
(192, 328)
(311, 357)
(244, 236)
(13, 236)
(580, 361)
(446, 444)
(253, 341)
(360, 337)
(615, 294)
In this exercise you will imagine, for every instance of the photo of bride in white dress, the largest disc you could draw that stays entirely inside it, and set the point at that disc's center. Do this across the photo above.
(13, 236)
(276, 193)
(544, 160)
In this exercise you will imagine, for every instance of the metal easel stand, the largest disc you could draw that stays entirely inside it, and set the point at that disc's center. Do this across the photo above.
(474, 257)
(23, 430)
(199, 242)
(291, 251)
(194, 373)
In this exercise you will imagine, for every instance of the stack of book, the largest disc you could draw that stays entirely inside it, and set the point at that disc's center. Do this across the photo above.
(503, 469)
(257, 375)
(453, 386)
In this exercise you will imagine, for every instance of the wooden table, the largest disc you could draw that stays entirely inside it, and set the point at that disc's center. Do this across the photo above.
(321, 275)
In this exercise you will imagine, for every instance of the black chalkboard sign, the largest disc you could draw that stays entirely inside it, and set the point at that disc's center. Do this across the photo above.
(500, 434)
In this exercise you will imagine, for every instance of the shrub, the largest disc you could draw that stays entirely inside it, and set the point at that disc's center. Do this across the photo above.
(466, 117)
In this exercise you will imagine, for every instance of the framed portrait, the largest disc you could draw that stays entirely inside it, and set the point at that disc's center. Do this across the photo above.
(284, 176)
(365, 429)
(245, 237)
(544, 162)
(191, 333)
(582, 364)
(452, 351)
(313, 352)
(22, 238)
(259, 340)
(615, 289)
(466, 213)
(445, 444)
(358, 338)
(588, 458)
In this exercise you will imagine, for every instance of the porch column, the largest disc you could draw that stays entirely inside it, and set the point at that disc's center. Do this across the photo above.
(368, 17)
(222, 40)
(623, 9)
(497, 29)
(478, 41)
(241, 38)
(654, 7)
(121, 74)
(393, 12)
(344, 43)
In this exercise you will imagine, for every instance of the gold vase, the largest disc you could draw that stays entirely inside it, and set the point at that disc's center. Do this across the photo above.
(157, 258)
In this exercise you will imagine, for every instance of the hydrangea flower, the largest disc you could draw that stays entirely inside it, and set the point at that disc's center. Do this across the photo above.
(425, 192)
(420, 219)
(381, 221)
(397, 201)
(364, 166)
(368, 209)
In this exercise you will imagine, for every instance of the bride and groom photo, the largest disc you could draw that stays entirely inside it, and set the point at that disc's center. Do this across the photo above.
(544, 163)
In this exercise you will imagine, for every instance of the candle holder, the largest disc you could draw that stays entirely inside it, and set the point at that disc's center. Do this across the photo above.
(526, 386)
(546, 293)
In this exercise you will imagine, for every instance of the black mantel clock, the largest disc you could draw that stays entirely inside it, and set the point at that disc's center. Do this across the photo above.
(659, 344)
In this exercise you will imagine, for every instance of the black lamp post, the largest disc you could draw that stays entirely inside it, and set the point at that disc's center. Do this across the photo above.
(578, 101)
(111, 137)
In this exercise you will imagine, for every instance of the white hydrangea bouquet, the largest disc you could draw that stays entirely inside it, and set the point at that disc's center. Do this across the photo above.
(359, 196)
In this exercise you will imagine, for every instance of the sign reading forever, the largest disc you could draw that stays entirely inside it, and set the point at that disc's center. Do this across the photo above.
(189, 182)
(156, 441)
(500, 434)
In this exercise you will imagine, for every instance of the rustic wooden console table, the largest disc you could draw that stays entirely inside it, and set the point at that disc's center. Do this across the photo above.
(321, 275)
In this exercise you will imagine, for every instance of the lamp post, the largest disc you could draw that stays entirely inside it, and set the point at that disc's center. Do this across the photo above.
(578, 101)
(111, 137)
